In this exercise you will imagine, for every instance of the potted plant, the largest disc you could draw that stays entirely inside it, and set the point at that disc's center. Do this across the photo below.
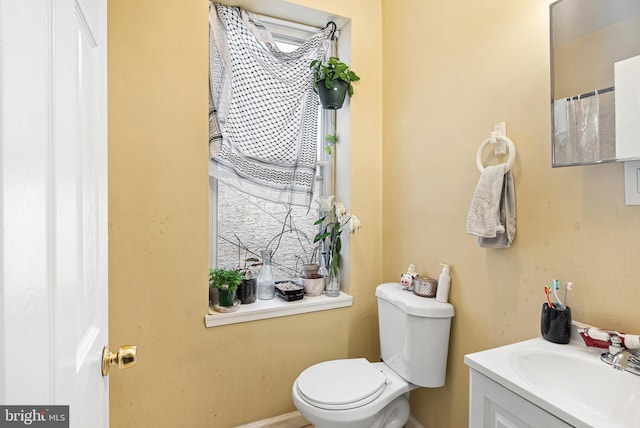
(332, 80)
(334, 217)
(247, 290)
(226, 281)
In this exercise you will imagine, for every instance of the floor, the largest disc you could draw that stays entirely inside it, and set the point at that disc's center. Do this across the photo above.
(288, 420)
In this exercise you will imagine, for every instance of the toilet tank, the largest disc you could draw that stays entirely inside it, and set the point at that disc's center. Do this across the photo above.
(414, 334)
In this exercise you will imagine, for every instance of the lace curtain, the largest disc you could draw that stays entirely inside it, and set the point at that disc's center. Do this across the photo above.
(262, 108)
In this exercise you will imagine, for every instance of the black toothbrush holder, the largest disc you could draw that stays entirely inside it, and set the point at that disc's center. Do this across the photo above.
(555, 323)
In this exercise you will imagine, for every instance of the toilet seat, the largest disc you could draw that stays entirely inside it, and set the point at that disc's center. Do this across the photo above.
(341, 384)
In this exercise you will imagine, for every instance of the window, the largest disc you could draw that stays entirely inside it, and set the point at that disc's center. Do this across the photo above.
(257, 222)
(243, 225)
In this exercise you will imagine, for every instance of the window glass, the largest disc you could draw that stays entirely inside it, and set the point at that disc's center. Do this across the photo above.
(247, 224)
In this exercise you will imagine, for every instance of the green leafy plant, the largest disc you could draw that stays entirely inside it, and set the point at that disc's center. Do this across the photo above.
(334, 217)
(331, 71)
(225, 279)
(330, 140)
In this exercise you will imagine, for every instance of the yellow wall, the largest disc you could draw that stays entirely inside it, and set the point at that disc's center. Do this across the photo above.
(451, 70)
(189, 376)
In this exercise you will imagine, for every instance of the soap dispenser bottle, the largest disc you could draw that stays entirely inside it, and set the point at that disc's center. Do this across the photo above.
(442, 294)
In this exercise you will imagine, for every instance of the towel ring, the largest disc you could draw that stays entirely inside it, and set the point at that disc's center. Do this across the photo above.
(502, 139)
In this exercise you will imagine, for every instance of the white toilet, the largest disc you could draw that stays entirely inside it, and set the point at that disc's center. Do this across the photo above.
(354, 393)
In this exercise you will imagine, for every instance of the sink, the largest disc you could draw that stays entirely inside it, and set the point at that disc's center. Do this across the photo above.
(568, 381)
(582, 381)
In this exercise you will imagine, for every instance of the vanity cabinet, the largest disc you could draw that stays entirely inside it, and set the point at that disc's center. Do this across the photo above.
(491, 405)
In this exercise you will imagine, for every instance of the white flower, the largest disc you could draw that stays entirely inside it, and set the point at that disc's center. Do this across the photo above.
(341, 211)
(354, 224)
(325, 203)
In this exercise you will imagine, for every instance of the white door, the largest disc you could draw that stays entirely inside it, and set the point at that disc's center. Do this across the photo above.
(53, 206)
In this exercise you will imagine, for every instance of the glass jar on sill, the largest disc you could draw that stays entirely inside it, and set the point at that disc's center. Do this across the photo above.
(266, 281)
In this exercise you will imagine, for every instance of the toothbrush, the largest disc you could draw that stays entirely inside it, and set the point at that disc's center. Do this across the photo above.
(556, 286)
(567, 286)
(546, 292)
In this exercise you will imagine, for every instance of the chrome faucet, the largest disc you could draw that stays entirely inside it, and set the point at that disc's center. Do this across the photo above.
(627, 360)
(620, 358)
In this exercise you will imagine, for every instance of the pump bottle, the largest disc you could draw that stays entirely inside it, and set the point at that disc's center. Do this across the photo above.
(442, 294)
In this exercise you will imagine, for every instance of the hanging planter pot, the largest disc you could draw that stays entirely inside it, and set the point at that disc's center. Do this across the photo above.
(332, 98)
(332, 81)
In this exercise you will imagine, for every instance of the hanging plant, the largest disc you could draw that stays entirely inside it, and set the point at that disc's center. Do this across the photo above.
(332, 81)
(330, 140)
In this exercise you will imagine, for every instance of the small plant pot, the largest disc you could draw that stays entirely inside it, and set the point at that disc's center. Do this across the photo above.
(247, 290)
(213, 296)
(310, 269)
(227, 297)
(332, 99)
(313, 286)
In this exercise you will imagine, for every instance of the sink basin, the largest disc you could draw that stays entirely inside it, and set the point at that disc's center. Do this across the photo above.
(584, 382)
(568, 381)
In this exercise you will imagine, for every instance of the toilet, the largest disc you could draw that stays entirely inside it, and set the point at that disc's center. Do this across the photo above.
(355, 393)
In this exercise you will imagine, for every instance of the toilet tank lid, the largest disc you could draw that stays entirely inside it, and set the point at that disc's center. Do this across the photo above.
(412, 304)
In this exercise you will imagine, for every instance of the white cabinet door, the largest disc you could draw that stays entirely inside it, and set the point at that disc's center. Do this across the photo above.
(493, 406)
(53, 206)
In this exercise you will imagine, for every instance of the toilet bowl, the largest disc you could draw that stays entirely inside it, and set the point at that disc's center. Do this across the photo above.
(352, 393)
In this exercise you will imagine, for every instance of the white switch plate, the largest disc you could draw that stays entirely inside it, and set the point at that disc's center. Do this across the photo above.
(632, 183)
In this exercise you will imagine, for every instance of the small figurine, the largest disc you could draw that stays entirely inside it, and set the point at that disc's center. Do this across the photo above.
(406, 279)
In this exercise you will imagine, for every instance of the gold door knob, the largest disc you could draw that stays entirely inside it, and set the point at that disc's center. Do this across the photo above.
(124, 358)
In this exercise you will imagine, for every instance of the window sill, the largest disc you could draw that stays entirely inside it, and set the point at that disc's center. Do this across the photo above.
(277, 307)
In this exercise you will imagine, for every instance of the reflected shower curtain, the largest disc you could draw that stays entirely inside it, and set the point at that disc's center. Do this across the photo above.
(584, 128)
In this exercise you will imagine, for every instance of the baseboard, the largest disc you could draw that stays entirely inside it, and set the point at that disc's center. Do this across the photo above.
(296, 420)
(288, 420)
(413, 423)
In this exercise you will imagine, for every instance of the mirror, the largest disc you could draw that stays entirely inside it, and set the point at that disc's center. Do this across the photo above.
(595, 81)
